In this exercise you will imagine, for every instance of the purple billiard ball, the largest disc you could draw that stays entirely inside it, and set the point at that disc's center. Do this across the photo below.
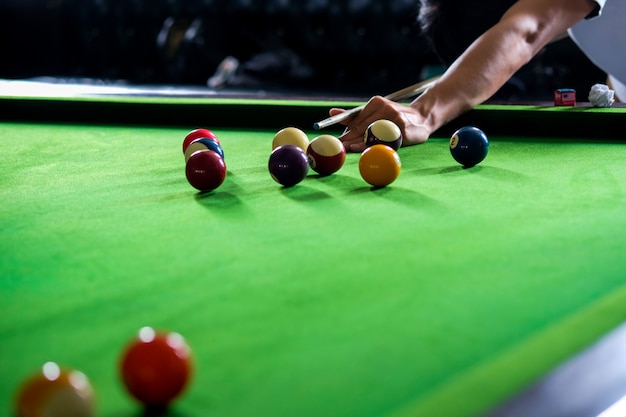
(383, 132)
(288, 165)
(469, 146)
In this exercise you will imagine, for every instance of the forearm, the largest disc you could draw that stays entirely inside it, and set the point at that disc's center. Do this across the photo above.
(494, 57)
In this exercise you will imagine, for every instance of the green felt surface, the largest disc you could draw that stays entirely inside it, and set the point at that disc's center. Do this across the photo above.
(449, 290)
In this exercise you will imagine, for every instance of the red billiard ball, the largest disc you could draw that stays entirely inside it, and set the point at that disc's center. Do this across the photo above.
(326, 154)
(469, 146)
(384, 132)
(205, 170)
(379, 165)
(198, 134)
(201, 144)
(288, 165)
(55, 392)
(156, 367)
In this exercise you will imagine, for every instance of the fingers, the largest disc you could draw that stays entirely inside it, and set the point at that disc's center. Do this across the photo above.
(335, 111)
(352, 140)
(408, 120)
(353, 136)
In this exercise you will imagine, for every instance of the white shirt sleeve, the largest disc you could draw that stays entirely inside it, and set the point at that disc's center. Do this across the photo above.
(598, 10)
(603, 38)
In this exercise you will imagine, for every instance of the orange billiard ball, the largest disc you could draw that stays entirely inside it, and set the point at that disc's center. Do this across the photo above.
(379, 165)
(55, 392)
(156, 367)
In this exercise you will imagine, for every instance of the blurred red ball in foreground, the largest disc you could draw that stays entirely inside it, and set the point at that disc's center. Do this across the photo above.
(55, 392)
(156, 367)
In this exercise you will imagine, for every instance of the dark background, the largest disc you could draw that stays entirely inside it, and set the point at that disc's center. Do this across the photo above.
(338, 47)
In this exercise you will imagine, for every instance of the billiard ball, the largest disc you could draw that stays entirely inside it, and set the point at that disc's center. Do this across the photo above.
(201, 144)
(326, 154)
(291, 136)
(198, 134)
(155, 367)
(384, 132)
(288, 165)
(469, 146)
(379, 165)
(205, 170)
(55, 392)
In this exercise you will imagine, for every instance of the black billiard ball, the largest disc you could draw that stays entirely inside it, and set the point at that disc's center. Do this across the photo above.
(469, 146)
(288, 165)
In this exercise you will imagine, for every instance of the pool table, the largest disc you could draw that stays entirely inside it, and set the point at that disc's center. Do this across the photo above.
(447, 293)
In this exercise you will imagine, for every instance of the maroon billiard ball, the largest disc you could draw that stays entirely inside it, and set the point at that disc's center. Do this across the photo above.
(155, 367)
(198, 134)
(326, 154)
(205, 170)
(288, 165)
(383, 132)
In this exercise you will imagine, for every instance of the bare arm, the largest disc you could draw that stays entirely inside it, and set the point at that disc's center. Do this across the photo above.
(477, 74)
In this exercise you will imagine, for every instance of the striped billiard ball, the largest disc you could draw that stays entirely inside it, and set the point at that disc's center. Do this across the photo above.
(326, 154)
(384, 132)
(201, 144)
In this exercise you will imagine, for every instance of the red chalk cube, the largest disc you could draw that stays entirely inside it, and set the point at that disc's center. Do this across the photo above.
(565, 97)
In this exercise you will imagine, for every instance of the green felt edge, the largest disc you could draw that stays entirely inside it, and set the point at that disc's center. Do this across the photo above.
(219, 101)
(476, 390)
(296, 102)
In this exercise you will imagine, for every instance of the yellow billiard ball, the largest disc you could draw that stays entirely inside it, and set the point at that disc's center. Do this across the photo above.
(379, 165)
(291, 136)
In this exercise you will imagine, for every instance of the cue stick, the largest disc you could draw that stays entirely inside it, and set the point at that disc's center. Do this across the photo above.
(410, 91)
